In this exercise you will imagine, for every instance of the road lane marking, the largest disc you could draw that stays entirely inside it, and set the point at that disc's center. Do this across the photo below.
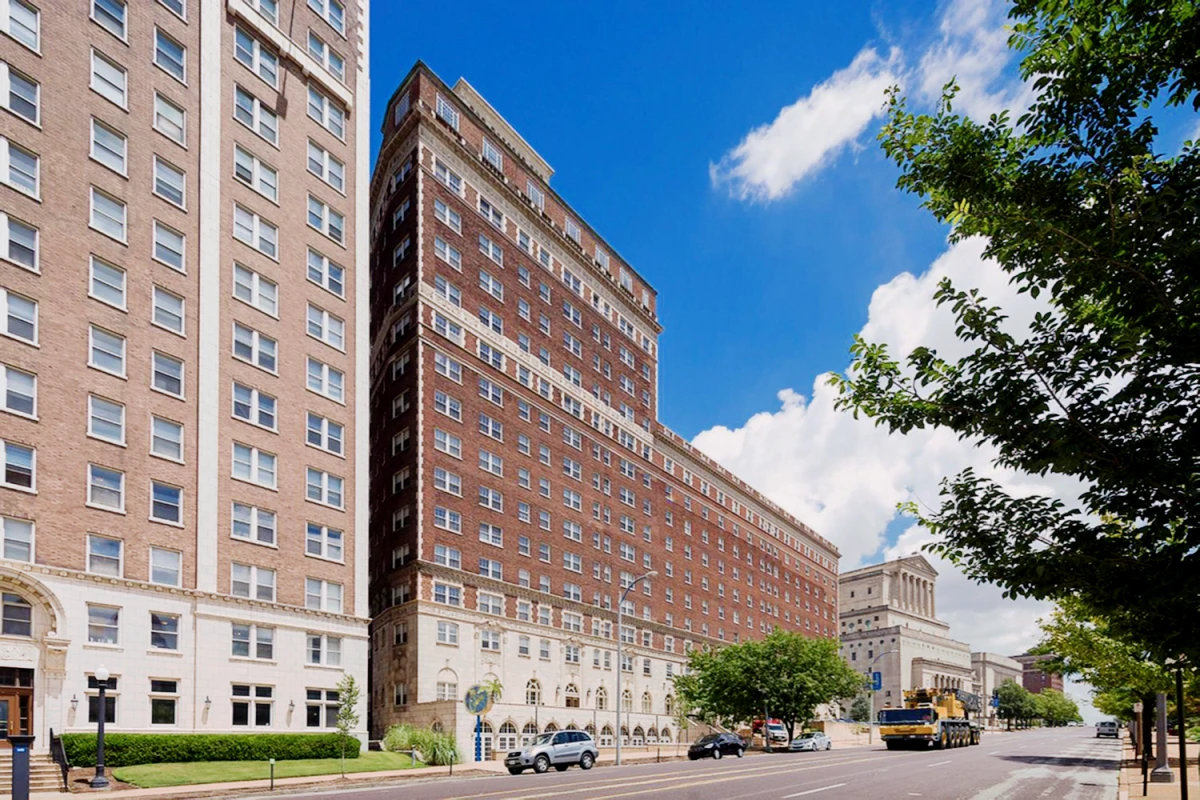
(724, 779)
(938, 764)
(813, 791)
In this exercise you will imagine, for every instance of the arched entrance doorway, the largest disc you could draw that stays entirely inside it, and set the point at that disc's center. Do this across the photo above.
(32, 658)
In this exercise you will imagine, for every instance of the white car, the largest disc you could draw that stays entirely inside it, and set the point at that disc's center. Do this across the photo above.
(811, 741)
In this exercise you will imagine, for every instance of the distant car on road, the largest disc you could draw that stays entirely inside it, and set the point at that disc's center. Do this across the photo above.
(716, 745)
(1107, 728)
(811, 741)
(559, 750)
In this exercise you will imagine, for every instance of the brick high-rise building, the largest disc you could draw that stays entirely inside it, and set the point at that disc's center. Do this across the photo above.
(183, 284)
(1033, 678)
(519, 474)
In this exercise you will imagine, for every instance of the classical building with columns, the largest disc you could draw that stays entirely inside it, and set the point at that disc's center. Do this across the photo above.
(889, 625)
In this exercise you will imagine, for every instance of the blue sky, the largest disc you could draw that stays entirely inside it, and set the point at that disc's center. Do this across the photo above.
(630, 106)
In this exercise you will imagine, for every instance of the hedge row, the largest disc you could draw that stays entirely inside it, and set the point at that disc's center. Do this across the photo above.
(127, 749)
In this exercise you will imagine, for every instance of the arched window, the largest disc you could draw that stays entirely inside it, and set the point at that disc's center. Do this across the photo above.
(528, 733)
(551, 728)
(627, 701)
(436, 727)
(669, 704)
(606, 736)
(590, 729)
(571, 726)
(639, 736)
(485, 739)
(652, 736)
(18, 616)
(624, 734)
(533, 693)
(647, 703)
(572, 694)
(664, 735)
(507, 738)
(601, 699)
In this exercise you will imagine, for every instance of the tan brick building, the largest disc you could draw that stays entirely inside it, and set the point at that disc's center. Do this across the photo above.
(182, 279)
(520, 476)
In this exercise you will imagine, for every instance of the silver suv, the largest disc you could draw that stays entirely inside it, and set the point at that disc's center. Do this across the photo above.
(560, 750)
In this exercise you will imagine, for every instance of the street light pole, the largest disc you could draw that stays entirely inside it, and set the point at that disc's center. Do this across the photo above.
(871, 694)
(100, 781)
(620, 615)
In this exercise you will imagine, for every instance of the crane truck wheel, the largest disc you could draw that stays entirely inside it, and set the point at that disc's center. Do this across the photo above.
(944, 742)
(892, 745)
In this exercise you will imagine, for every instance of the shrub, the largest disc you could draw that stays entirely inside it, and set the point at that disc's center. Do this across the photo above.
(128, 749)
(437, 749)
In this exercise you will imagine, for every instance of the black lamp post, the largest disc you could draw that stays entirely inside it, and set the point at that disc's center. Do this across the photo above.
(100, 781)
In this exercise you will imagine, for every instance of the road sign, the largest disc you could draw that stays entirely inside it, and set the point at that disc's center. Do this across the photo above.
(1137, 708)
(876, 681)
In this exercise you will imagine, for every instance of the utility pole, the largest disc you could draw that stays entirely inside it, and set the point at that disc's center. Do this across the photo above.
(620, 666)
(871, 693)
(1162, 769)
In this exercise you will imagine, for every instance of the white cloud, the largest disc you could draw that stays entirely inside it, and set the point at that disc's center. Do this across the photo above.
(813, 132)
(810, 133)
(844, 477)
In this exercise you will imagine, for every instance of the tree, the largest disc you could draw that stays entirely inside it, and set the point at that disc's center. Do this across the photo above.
(1056, 709)
(786, 673)
(347, 715)
(494, 687)
(860, 710)
(1016, 703)
(1089, 209)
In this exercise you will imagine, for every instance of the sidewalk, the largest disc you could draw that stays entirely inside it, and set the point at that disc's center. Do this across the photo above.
(1131, 775)
(361, 779)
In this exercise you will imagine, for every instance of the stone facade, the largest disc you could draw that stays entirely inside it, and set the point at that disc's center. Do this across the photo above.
(888, 625)
(191, 242)
(520, 476)
(991, 670)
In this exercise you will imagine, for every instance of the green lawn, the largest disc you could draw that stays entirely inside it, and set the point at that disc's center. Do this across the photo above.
(153, 776)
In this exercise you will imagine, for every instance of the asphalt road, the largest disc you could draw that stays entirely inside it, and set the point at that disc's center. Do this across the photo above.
(1061, 764)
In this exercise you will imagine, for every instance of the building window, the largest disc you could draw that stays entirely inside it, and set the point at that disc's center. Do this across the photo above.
(325, 650)
(321, 709)
(164, 696)
(20, 316)
(107, 352)
(164, 631)
(447, 594)
(168, 310)
(110, 700)
(170, 55)
(169, 246)
(326, 112)
(108, 215)
(109, 79)
(169, 182)
(325, 380)
(255, 231)
(110, 15)
(23, 22)
(19, 168)
(23, 97)
(324, 488)
(447, 112)
(166, 503)
(166, 439)
(327, 56)
(252, 705)
(332, 11)
(251, 53)
(252, 288)
(170, 120)
(256, 348)
(106, 420)
(252, 171)
(323, 218)
(107, 283)
(326, 327)
(262, 638)
(253, 524)
(253, 406)
(322, 595)
(326, 273)
(324, 542)
(17, 538)
(16, 616)
(326, 167)
(103, 624)
(106, 488)
(253, 465)
(167, 373)
(533, 693)
(251, 112)
(253, 582)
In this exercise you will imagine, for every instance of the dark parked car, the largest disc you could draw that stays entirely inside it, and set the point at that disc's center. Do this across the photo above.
(716, 745)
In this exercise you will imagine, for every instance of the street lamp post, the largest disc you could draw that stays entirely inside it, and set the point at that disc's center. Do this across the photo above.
(620, 611)
(1178, 663)
(100, 781)
(871, 694)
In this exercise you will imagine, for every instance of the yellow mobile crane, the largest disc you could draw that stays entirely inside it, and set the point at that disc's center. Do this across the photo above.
(941, 717)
